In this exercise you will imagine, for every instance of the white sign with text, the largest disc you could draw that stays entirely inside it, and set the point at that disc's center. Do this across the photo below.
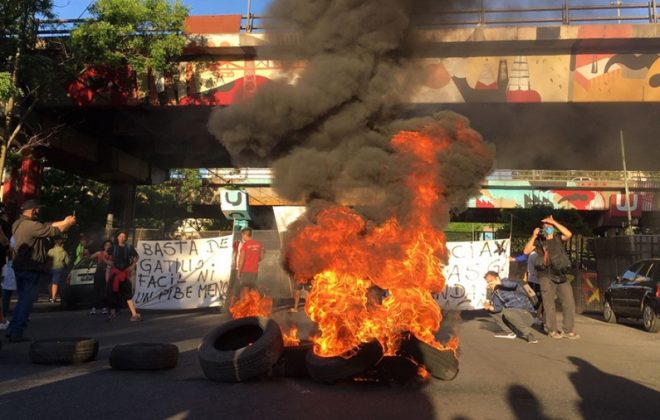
(183, 274)
(465, 287)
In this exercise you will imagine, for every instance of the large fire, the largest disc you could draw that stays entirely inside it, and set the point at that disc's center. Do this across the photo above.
(347, 258)
(251, 303)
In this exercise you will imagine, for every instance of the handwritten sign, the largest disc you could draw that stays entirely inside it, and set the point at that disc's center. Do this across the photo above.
(183, 274)
(465, 287)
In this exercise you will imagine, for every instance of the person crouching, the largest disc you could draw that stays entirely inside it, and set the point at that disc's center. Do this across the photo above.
(510, 307)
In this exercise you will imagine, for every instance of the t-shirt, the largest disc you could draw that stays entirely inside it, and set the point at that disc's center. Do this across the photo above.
(252, 250)
(532, 262)
(32, 244)
(57, 258)
(122, 255)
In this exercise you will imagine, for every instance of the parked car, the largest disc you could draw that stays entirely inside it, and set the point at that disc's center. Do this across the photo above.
(78, 288)
(636, 294)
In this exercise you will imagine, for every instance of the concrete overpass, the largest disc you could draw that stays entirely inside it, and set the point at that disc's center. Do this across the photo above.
(549, 97)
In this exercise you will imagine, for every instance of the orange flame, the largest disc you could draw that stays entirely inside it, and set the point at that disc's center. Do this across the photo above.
(291, 338)
(251, 303)
(346, 258)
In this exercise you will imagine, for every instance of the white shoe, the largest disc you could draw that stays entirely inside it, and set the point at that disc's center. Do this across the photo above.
(4, 325)
(93, 311)
(104, 311)
(509, 336)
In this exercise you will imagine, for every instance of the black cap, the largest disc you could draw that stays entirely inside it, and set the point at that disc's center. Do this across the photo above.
(30, 204)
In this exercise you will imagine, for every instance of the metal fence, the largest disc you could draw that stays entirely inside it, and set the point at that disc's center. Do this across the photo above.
(487, 13)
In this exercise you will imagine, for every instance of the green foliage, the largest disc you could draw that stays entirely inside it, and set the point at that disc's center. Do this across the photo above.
(63, 193)
(525, 220)
(170, 204)
(521, 223)
(145, 34)
(7, 88)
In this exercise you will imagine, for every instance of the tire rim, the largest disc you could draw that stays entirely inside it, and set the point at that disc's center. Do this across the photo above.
(607, 311)
(648, 316)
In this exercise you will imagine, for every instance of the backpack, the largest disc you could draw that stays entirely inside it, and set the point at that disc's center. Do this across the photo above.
(559, 261)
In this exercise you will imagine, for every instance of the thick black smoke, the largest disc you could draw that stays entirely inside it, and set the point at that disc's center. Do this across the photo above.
(328, 136)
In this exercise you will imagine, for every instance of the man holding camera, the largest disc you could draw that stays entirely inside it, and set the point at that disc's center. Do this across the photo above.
(552, 268)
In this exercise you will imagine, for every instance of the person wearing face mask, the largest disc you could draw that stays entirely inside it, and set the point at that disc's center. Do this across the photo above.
(553, 284)
(30, 261)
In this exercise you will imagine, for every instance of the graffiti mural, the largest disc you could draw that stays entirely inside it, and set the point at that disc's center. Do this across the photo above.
(204, 78)
(563, 199)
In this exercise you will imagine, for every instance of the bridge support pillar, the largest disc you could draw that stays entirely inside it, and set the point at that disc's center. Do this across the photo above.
(122, 203)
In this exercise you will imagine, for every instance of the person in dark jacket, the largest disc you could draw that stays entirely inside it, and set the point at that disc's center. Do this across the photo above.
(510, 307)
(30, 261)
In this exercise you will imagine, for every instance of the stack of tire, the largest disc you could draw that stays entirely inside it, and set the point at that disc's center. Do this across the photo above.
(252, 347)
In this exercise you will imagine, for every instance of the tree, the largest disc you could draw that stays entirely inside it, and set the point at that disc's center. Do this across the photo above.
(144, 34)
(170, 205)
(18, 92)
(64, 193)
(521, 222)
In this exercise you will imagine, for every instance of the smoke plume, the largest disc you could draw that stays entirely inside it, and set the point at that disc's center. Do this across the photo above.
(327, 136)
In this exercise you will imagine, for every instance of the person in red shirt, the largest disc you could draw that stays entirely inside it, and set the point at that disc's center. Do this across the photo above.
(251, 252)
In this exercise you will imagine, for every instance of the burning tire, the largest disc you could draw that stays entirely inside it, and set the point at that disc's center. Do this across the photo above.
(64, 351)
(292, 363)
(240, 349)
(441, 364)
(144, 356)
(328, 370)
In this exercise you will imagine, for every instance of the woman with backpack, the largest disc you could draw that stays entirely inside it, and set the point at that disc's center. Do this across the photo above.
(551, 270)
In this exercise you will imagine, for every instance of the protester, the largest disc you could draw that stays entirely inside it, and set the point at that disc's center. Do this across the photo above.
(8, 285)
(30, 261)
(82, 249)
(102, 257)
(552, 279)
(510, 307)
(533, 260)
(123, 258)
(58, 259)
(5, 233)
(251, 252)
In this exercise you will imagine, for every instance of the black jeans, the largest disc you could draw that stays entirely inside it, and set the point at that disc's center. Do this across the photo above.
(100, 289)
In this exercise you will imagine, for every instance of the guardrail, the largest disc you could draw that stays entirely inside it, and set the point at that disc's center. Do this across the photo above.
(564, 12)
(264, 176)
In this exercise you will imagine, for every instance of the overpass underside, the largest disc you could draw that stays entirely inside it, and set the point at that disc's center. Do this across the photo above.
(547, 97)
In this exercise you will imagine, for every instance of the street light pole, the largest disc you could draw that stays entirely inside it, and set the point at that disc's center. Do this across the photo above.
(618, 4)
(629, 230)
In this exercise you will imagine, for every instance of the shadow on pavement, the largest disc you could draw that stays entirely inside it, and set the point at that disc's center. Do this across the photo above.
(610, 396)
(524, 403)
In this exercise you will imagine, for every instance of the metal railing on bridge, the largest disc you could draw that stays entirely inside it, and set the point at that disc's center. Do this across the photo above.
(264, 176)
(559, 12)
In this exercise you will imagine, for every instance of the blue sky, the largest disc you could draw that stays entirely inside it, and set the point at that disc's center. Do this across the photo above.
(72, 9)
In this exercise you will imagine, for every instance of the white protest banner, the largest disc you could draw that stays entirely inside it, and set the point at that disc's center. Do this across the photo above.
(465, 287)
(285, 215)
(183, 274)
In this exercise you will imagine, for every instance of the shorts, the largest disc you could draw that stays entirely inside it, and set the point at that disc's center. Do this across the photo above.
(249, 280)
(56, 276)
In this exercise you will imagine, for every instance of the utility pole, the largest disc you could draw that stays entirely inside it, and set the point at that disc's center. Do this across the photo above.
(629, 229)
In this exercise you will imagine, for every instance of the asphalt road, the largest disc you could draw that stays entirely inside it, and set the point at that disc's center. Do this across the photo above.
(613, 372)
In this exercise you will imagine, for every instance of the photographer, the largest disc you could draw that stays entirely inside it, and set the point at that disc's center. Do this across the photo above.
(551, 270)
